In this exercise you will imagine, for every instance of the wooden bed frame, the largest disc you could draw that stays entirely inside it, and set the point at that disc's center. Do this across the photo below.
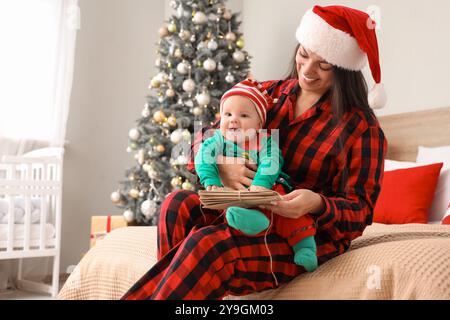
(406, 131)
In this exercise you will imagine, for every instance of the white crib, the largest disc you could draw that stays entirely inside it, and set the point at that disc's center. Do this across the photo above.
(30, 221)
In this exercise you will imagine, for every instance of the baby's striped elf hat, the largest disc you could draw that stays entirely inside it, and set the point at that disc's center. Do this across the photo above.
(254, 91)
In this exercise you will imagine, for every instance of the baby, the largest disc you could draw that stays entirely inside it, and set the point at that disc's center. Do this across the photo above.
(243, 115)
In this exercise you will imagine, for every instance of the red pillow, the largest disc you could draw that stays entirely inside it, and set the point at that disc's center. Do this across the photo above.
(406, 195)
(446, 219)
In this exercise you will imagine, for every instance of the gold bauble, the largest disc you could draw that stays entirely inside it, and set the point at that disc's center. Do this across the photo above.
(134, 193)
(159, 116)
(155, 83)
(187, 185)
(160, 148)
(176, 182)
(217, 116)
(240, 43)
(178, 53)
(172, 121)
(172, 27)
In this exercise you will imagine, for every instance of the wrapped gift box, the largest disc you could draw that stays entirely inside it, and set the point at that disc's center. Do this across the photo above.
(102, 225)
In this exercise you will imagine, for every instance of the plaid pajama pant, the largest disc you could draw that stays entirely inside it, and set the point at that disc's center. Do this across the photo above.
(201, 257)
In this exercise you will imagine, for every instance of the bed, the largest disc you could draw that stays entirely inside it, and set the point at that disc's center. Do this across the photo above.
(407, 261)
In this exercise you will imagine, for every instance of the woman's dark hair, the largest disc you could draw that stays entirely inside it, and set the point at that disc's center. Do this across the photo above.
(349, 90)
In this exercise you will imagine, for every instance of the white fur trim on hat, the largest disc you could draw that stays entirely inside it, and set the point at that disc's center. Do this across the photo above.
(335, 46)
(377, 96)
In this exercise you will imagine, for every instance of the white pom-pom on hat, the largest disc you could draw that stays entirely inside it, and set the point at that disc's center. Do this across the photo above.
(377, 96)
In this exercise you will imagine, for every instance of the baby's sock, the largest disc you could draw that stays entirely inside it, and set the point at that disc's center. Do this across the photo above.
(305, 253)
(250, 222)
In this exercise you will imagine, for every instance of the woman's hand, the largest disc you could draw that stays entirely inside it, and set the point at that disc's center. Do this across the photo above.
(297, 203)
(236, 173)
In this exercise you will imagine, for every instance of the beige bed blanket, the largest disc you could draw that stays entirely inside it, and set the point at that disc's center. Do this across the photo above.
(388, 262)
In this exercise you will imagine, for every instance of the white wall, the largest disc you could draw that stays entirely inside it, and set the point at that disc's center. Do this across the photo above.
(414, 46)
(114, 60)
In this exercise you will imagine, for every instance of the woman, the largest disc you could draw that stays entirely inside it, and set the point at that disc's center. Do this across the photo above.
(334, 151)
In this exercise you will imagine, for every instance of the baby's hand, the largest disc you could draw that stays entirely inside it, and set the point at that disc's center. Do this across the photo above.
(214, 188)
(257, 188)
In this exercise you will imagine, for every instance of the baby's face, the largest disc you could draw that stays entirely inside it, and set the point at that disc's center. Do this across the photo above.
(239, 119)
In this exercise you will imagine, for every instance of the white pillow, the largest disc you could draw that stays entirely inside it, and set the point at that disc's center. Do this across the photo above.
(442, 195)
(390, 165)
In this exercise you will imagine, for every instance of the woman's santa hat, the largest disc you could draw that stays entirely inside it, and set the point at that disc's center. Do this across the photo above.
(346, 38)
(254, 91)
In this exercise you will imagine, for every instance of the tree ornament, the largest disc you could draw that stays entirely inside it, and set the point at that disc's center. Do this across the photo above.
(193, 38)
(116, 197)
(227, 14)
(170, 93)
(159, 116)
(187, 186)
(172, 27)
(220, 66)
(162, 77)
(134, 134)
(152, 174)
(230, 36)
(203, 99)
(186, 135)
(146, 112)
(133, 146)
(178, 53)
(148, 208)
(229, 78)
(217, 116)
(134, 193)
(159, 148)
(239, 56)
(183, 67)
(158, 62)
(140, 156)
(182, 160)
(155, 83)
(240, 43)
(172, 121)
(163, 31)
(199, 18)
(188, 85)
(176, 182)
(176, 136)
(128, 215)
(213, 45)
(209, 65)
(197, 111)
(184, 35)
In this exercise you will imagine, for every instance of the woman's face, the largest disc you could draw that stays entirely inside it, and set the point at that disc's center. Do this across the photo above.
(314, 73)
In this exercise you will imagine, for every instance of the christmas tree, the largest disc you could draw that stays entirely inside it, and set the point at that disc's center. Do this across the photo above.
(199, 56)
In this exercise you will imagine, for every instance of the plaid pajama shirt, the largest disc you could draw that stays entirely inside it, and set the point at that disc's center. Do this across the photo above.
(201, 257)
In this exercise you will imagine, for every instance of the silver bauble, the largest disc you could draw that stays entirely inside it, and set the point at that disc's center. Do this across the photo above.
(128, 215)
(188, 85)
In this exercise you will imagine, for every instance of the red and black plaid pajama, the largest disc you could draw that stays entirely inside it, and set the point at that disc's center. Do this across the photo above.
(201, 257)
